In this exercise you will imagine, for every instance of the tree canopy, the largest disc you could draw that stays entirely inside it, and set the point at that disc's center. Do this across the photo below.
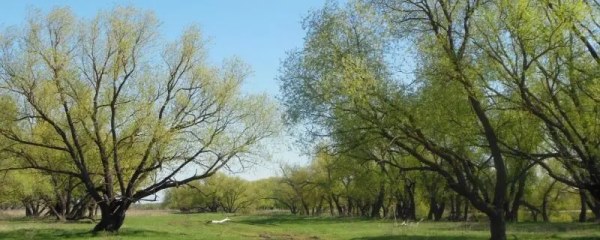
(110, 103)
(493, 89)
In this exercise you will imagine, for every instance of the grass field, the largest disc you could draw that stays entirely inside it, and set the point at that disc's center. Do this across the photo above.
(166, 225)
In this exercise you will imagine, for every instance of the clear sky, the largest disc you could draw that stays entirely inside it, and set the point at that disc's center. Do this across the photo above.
(257, 31)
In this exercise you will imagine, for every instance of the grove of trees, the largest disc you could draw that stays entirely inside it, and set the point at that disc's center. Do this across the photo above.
(440, 109)
(482, 94)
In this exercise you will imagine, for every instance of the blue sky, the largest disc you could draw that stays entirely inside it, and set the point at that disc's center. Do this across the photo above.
(259, 32)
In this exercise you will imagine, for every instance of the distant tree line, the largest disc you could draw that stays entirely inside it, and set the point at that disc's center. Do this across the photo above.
(334, 186)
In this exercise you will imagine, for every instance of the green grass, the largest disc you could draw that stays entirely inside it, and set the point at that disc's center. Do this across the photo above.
(161, 225)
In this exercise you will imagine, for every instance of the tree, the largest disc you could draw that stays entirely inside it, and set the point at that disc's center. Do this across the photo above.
(41, 193)
(231, 193)
(129, 120)
(304, 192)
(261, 192)
(434, 187)
(220, 191)
(28, 189)
(553, 77)
(444, 117)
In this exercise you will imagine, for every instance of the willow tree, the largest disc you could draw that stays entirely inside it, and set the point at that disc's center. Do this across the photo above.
(125, 112)
(553, 77)
(442, 115)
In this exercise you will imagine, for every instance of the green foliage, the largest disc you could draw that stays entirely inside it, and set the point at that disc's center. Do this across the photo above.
(161, 225)
(497, 88)
(108, 102)
(218, 193)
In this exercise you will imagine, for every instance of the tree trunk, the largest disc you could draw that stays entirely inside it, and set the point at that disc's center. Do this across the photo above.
(466, 212)
(376, 208)
(412, 207)
(363, 207)
(330, 202)
(596, 212)
(28, 210)
(350, 209)
(305, 208)
(436, 210)
(533, 209)
(57, 211)
(439, 212)
(293, 209)
(432, 207)
(320, 207)
(544, 208)
(498, 226)
(544, 211)
(455, 208)
(339, 207)
(512, 210)
(113, 217)
(590, 202)
(583, 202)
(32, 208)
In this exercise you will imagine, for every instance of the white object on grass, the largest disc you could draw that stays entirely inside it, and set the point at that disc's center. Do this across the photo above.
(220, 221)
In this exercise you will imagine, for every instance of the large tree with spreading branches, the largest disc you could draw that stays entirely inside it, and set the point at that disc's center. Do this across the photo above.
(122, 110)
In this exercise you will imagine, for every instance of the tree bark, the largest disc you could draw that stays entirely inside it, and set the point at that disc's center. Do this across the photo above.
(583, 211)
(466, 212)
(113, 217)
(350, 210)
(436, 210)
(594, 205)
(498, 226)
(439, 212)
(544, 208)
(456, 210)
(32, 208)
(339, 207)
(376, 208)
(28, 210)
(412, 208)
(512, 207)
(544, 211)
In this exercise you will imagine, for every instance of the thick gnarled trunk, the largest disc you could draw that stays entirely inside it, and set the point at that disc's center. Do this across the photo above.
(498, 226)
(113, 217)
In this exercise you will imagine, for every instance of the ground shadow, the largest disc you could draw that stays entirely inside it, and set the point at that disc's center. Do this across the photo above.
(283, 219)
(552, 227)
(525, 227)
(46, 233)
(416, 237)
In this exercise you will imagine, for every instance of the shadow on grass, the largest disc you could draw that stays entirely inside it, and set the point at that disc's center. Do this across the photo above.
(525, 227)
(75, 233)
(289, 219)
(416, 237)
(552, 227)
(30, 219)
(49, 220)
